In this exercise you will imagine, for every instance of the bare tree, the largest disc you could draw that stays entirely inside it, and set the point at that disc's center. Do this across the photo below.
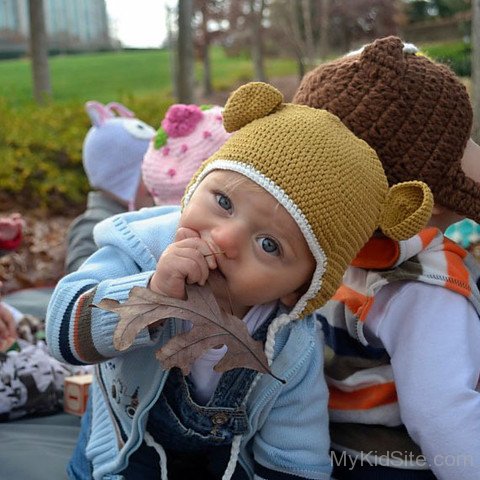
(212, 14)
(307, 25)
(324, 26)
(476, 68)
(356, 22)
(185, 57)
(207, 71)
(172, 48)
(256, 11)
(42, 89)
(286, 22)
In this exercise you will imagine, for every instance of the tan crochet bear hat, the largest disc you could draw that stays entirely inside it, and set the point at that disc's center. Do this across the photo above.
(331, 183)
(413, 112)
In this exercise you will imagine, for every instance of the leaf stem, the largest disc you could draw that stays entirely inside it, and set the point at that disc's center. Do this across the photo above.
(213, 253)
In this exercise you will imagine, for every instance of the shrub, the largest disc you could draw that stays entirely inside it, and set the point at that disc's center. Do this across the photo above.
(41, 152)
(457, 55)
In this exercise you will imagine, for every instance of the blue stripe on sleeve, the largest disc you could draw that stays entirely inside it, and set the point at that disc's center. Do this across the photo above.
(63, 339)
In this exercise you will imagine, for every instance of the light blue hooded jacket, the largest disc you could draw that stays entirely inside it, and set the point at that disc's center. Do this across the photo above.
(288, 424)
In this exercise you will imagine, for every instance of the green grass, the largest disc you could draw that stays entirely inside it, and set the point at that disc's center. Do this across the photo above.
(41, 148)
(116, 75)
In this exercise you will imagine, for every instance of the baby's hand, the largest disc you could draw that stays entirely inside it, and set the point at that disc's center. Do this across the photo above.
(8, 329)
(11, 226)
(187, 260)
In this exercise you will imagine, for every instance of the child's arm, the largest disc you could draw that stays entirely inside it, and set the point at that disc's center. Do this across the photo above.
(294, 440)
(80, 243)
(433, 337)
(79, 333)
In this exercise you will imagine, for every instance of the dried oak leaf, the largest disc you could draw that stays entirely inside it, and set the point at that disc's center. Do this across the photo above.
(211, 327)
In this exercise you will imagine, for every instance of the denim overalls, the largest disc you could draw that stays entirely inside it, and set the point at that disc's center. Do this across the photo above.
(197, 439)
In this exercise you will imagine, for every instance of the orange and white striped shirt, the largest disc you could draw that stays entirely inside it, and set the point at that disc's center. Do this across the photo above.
(358, 370)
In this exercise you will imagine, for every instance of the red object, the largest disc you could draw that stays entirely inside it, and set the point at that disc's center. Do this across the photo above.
(11, 244)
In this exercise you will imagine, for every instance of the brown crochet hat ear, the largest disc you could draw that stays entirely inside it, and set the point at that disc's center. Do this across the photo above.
(413, 112)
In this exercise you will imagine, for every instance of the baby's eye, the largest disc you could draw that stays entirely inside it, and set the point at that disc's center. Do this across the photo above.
(224, 201)
(269, 245)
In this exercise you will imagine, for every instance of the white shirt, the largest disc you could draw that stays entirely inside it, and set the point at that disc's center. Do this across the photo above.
(433, 338)
(204, 378)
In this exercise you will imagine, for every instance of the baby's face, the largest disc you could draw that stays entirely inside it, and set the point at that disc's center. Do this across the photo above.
(264, 256)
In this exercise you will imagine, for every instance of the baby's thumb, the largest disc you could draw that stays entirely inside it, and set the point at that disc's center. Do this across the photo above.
(183, 233)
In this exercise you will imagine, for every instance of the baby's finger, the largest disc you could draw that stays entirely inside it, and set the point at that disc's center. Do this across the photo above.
(211, 257)
(202, 247)
(184, 232)
(195, 267)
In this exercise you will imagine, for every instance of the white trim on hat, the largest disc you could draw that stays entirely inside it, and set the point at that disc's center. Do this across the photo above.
(279, 194)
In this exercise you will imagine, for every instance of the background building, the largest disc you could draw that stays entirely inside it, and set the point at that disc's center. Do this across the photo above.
(72, 25)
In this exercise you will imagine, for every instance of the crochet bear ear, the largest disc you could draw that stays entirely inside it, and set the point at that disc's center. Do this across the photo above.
(384, 57)
(250, 102)
(407, 209)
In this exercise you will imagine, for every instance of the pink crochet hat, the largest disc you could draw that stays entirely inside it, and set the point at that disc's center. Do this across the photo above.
(189, 135)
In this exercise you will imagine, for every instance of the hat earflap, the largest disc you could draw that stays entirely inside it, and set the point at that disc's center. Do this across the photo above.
(407, 209)
(250, 102)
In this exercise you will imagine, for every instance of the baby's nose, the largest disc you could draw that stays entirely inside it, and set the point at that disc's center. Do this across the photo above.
(229, 238)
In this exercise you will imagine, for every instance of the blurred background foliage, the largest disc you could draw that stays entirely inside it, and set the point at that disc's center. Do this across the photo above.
(41, 147)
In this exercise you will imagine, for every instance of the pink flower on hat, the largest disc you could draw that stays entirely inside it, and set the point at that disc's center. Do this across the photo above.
(172, 159)
(181, 120)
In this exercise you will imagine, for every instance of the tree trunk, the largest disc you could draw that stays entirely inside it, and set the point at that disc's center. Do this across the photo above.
(297, 37)
(207, 71)
(476, 68)
(257, 42)
(42, 90)
(172, 50)
(307, 25)
(324, 26)
(185, 57)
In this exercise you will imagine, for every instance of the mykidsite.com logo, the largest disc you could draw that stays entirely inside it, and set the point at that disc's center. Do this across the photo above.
(397, 459)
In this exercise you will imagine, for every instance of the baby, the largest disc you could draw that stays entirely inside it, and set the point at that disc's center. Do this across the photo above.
(271, 221)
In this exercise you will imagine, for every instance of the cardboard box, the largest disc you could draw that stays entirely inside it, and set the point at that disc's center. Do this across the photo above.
(75, 394)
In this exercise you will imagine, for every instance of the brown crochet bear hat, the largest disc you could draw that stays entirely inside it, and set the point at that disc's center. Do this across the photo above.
(413, 112)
